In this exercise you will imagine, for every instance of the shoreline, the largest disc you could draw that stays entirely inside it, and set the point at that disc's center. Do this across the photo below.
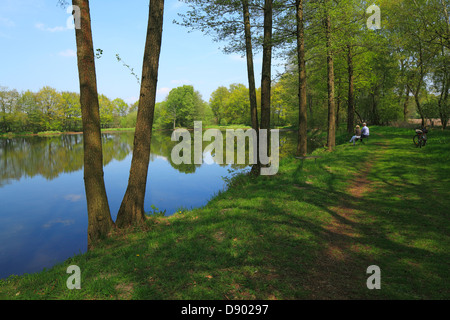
(10, 135)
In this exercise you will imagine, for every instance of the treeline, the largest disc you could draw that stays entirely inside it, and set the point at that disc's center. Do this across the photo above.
(51, 110)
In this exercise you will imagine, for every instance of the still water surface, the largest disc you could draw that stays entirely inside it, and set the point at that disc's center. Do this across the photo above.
(43, 215)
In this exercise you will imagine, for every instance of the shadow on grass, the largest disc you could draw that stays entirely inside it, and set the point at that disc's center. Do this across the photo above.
(270, 238)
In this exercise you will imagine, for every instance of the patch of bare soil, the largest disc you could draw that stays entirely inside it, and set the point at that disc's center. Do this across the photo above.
(335, 273)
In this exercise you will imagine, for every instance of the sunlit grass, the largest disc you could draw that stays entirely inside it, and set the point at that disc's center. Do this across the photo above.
(266, 238)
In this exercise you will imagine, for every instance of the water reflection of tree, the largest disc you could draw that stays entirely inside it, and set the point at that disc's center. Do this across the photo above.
(162, 146)
(51, 156)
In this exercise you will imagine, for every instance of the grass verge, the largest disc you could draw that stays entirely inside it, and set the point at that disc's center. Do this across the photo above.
(309, 232)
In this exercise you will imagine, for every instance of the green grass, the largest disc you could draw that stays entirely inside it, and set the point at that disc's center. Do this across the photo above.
(271, 237)
(14, 134)
(117, 129)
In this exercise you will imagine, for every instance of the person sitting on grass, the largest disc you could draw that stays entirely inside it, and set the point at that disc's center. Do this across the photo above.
(357, 135)
(364, 131)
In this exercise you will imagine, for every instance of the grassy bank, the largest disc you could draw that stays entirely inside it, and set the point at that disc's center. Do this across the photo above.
(309, 232)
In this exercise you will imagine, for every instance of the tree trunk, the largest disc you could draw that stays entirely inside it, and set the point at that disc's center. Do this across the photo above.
(351, 95)
(99, 218)
(266, 67)
(443, 97)
(256, 168)
(375, 116)
(419, 85)
(310, 107)
(331, 136)
(405, 105)
(302, 143)
(338, 108)
(132, 208)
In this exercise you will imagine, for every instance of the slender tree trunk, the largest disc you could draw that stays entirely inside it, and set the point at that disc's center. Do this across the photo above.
(310, 107)
(331, 136)
(99, 217)
(443, 97)
(375, 116)
(419, 85)
(338, 108)
(359, 116)
(405, 105)
(351, 95)
(266, 66)
(302, 143)
(132, 208)
(256, 168)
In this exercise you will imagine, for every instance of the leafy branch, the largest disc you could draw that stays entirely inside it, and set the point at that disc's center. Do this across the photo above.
(129, 68)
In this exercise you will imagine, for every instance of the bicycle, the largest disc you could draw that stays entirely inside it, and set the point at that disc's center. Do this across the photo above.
(420, 139)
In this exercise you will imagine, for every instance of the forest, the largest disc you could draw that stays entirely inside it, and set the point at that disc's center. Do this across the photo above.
(382, 76)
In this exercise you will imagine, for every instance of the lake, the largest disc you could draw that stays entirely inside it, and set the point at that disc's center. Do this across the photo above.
(43, 214)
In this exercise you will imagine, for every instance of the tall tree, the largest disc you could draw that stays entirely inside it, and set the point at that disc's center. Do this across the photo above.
(266, 77)
(99, 218)
(217, 102)
(302, 144)
(256, 168)
(132, 208)
(229, 20)
(351, 94)
(331, 133)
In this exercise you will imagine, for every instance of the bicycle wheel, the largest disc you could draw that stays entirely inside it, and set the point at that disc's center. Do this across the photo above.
(416, 140)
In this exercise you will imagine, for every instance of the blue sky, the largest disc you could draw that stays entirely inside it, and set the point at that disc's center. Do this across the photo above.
(37, 49)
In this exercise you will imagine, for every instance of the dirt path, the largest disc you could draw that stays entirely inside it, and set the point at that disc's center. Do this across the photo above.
(336, 274)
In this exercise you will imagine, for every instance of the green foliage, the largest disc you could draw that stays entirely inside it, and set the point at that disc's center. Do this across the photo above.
(129, 121)
(231, 105)
(181, 108)
(50, 110)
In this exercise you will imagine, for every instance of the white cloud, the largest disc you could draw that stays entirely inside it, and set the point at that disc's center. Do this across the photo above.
(42, 27)
(73, 197)
(68, 53)
(53, 222)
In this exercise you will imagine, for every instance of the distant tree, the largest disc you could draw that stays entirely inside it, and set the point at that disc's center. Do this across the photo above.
(106, 111)
(50, 107)
(237, 105)
(182, 106)
(72, 112)
(218, 101)
(120, 107)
